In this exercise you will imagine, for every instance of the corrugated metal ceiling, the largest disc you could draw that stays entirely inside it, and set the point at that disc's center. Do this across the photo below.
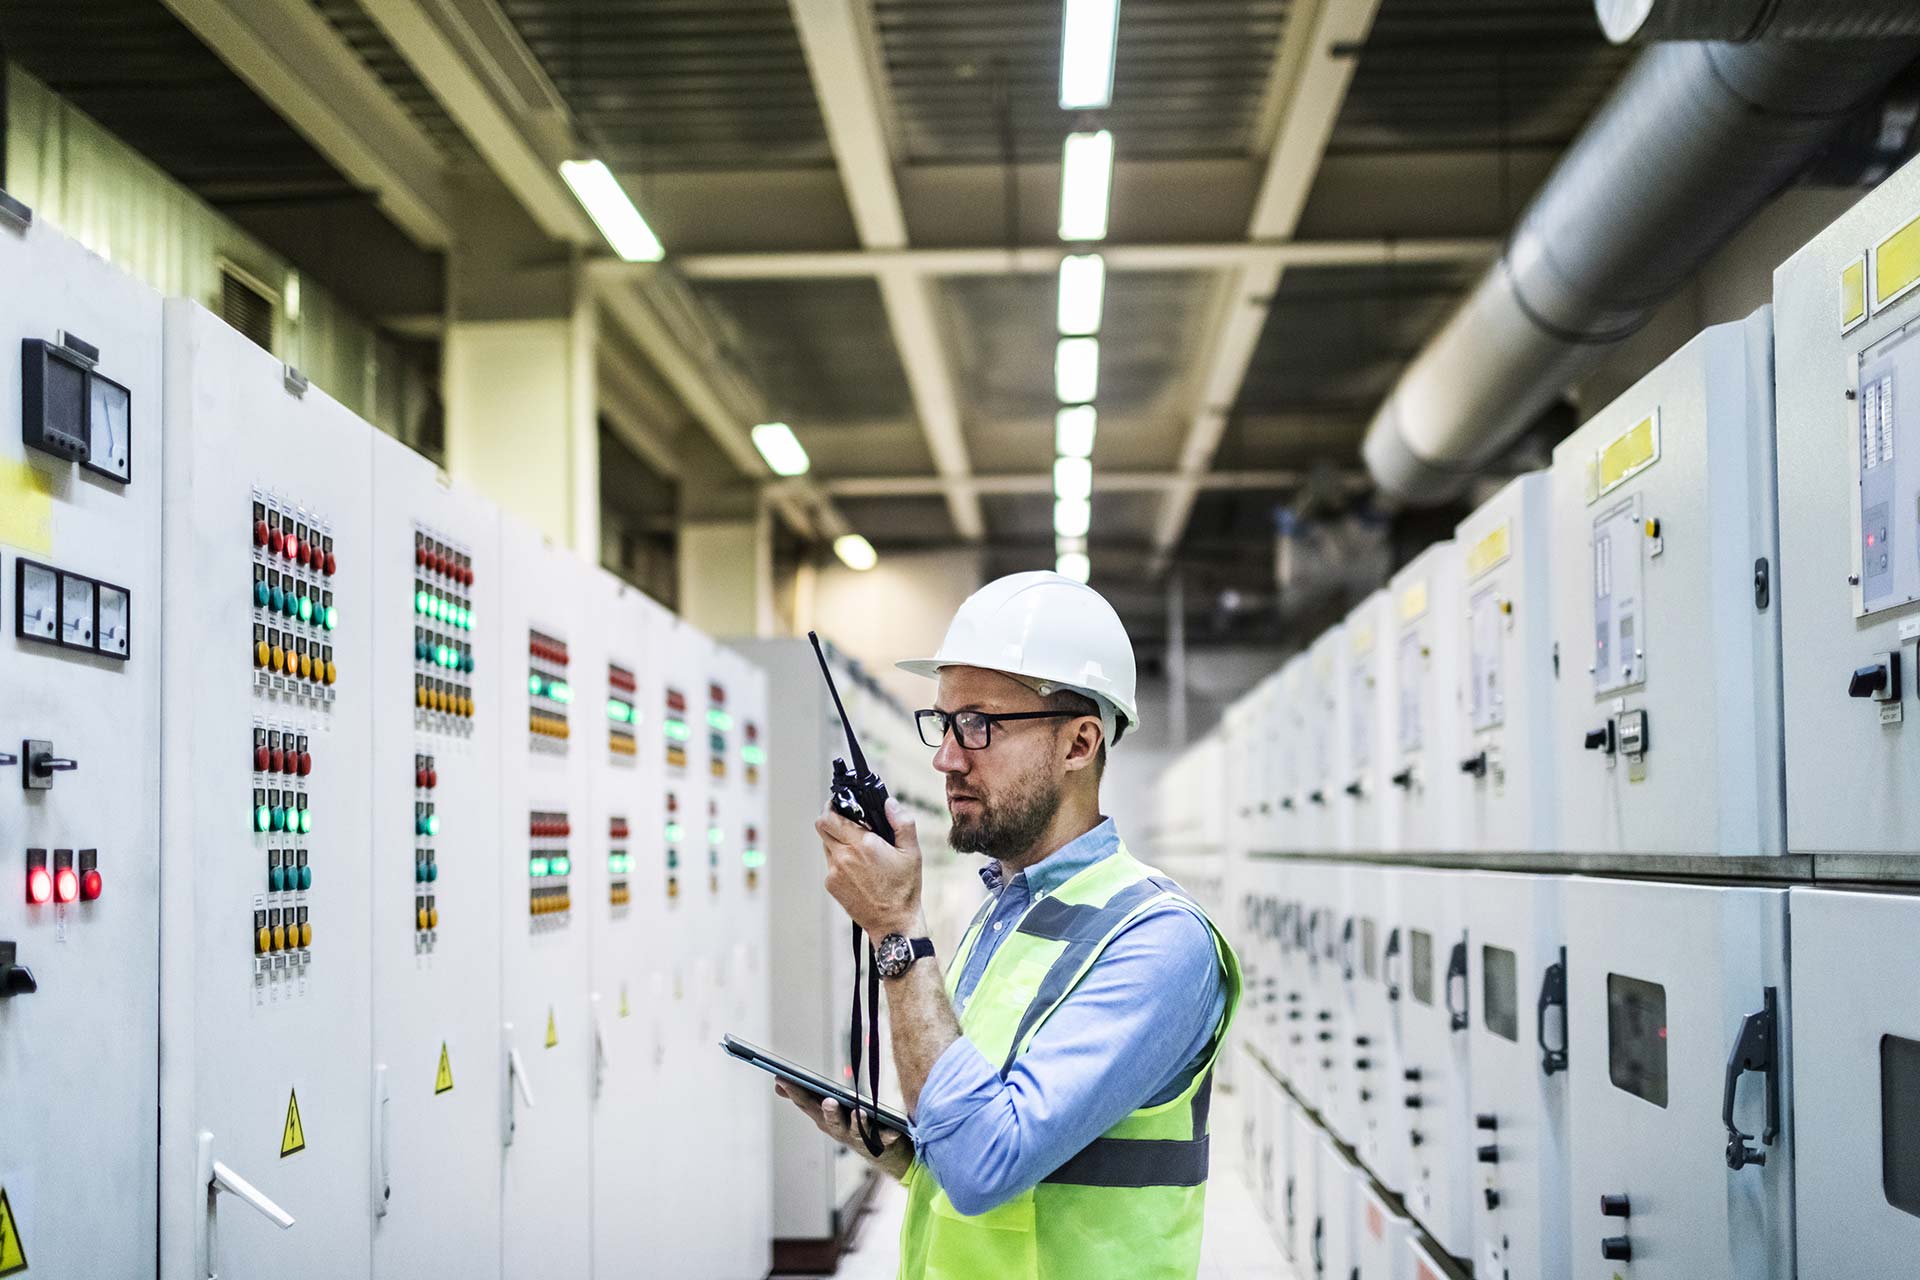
(1189, 76)
(365, 38)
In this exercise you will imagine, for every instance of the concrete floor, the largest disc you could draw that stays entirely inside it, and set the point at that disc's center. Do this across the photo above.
(1237, 1245)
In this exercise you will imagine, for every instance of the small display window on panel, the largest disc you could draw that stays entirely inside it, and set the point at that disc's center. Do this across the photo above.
(1637, 1037)
(549, 693)
(443, 622)
(1900, 1122)
(623, 714)
(293, 610)
(1886, 406)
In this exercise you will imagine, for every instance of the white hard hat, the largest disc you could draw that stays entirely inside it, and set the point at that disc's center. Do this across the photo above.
(1048, 628)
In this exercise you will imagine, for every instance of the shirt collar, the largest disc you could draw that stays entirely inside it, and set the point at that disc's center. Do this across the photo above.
(1062, 864)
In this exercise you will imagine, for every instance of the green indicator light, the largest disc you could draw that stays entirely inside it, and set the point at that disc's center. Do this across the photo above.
(537, 867)
(306, 609)
(562, 865)
(332, 618)
(535, 685)
(674, 832)
(277, 819)
(260, 595)
(262, 818)
(420, 601)
(719, 720)
(619, 711)
(753, 754)
(753, 859)
(433, 824)
(715, 835)
(560, 691)
(677, 730)
(306, 821)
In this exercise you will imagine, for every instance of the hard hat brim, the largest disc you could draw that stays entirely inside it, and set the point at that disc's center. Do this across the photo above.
(928, 667)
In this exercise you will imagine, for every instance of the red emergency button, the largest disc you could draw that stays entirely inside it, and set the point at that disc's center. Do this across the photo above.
(90, 886)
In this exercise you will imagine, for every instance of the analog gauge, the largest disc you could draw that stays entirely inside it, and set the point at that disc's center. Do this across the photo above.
(110, 420)
(114, 636)
(36, 602)
(76, 611)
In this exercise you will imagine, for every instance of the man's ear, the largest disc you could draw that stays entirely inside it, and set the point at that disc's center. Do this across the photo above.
(1083, 746)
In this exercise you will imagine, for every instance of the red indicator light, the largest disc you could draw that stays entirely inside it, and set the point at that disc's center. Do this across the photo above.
(278, 761)
(420, 556)
(275, 541)
(90, 886)
(66, 885)
(1869, 539)
(39, 885)
(306, 763)
(332, 564)
(1663, 1033)
(260, 533)
(291, 547)
(260, 759)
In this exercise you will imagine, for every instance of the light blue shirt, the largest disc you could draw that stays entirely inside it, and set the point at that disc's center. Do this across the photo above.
(1132, 1033)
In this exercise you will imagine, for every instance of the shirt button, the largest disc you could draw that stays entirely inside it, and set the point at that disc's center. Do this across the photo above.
(998, 925)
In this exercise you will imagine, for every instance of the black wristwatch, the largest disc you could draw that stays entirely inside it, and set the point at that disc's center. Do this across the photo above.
(895, 953)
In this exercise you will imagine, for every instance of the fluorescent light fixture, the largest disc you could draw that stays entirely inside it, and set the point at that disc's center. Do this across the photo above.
(1075, 565)
(1072, 478)
(1083, 289)
(1076, 370)
(1087, 36)
(606, 202)
(1063, 545)
(781, 448)
(1072, 517)
(855, 552)
(1086, 180)
(1073, 429)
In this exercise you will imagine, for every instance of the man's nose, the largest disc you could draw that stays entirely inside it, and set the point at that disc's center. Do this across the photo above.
(951, 757)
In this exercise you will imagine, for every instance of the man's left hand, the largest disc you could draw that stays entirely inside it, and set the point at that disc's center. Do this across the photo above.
(878, 883)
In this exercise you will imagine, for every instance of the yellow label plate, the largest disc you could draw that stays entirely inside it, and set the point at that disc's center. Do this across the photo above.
(1363, 639)
(1630, 453)
(26, 507)
(1493, 549)
(1853, 294)
(1413, 601)
(1896, 264)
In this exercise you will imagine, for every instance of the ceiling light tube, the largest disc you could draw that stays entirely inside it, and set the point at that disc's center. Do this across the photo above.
(1072, 478)
(1076, 370)
(607, 203)
(855, 552)
(1083, 289)
(1088, 32)
(1086, 180)
(1073, 430)
(1075, 565)
(781, 448)
(1063, 545)
(1072, 517)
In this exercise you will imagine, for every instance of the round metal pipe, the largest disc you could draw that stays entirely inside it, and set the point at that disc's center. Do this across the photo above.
(1625, 20)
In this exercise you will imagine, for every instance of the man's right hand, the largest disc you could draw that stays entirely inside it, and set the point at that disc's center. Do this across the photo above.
(831, 1119)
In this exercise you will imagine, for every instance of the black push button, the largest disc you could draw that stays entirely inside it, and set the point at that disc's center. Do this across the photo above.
(1615, 1207)
(1617, 1249)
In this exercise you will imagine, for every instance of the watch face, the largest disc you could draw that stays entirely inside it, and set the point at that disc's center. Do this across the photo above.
(893, 955)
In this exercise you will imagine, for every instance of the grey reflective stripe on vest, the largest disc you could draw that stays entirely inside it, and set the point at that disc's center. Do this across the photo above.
(1083, 927)
(1144, 1162)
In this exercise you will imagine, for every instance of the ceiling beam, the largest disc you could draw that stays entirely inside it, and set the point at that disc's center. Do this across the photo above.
(837, 39)
(301, 67)
(1315, 64)
(1354, 480)
(442, 41)
(637, 412)
(1045, 260)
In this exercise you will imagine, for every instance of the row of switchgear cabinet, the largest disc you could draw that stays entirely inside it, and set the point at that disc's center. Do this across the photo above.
(1693, 634)
(1571, 1078)
(405, 867)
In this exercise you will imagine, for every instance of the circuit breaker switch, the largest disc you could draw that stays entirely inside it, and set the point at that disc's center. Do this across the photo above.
(1878, 680)
(1601, 739)
(1633, 733)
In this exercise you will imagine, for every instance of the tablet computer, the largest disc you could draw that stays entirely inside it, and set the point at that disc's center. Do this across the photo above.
(814, 1083)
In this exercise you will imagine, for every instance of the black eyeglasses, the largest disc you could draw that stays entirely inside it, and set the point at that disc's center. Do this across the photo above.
(973, 730)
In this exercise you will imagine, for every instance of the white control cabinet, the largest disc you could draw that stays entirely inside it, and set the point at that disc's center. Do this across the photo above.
(1365, 1048)
(1294, 815)
(1506, 720)
(1426, 796)
(266, 1111)
(1367, 700)
(1430, 967)
(1324, 728)
(1664, 609)
(1517, 978)
(1856, 1095)
(1380, 1234)
(437, 721)
(1338, 1186)
(80, 651)
(1678, 1004)
(1848, 382)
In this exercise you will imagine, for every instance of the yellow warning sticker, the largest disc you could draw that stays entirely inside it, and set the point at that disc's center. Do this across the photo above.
(1491, 550)
(1896, 264)
(293, 1137)
(443, 1079)
(553, 1034)
(1630, 453)
(626, 1010)
(1413, 601)
(1853, 294)
(13, 1252)
(26, 510)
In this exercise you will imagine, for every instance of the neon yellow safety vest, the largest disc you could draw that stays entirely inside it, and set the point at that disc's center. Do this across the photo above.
(1130, 1204)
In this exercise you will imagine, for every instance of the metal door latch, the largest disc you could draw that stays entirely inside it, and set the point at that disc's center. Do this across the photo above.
(1757, 1048)
(1553, 995)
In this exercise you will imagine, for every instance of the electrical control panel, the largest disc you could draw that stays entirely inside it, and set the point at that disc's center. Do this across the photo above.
(545, 1055)
(1505, 729)
(1426, 790)
(436, 888)
(1669, 731)
(1848, 381)
(1678, 1075)
(1429, 969)
(80, 681)
(1324, 726)
(1366, 701)
(266, 836)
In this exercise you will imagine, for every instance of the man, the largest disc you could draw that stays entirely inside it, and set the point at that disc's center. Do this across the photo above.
(1058, 1077)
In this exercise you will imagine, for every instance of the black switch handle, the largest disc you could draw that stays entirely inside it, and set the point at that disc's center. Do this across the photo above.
(1867, 681)
(1487, 1155)
(1404, 779)
(1486, 1120)
(46, 764)
(1476, 765)
(1601, 739)
(1353, 788)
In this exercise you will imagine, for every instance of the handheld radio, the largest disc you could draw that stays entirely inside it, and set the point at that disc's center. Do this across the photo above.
(859, 795)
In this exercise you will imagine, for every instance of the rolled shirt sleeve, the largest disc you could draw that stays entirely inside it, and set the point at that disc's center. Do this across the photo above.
(1132, 1032)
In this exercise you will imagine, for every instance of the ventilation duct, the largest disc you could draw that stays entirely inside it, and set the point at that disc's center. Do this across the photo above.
(1696, 139)
(1625, 20)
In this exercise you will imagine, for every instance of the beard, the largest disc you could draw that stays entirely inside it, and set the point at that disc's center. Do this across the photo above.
(1007, 825)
